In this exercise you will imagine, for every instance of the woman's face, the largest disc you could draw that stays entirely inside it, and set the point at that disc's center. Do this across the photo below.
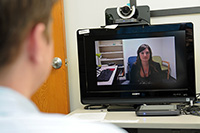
(145, 55)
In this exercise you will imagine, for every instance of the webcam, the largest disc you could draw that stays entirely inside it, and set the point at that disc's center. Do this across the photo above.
(126, 12)
(128, 15)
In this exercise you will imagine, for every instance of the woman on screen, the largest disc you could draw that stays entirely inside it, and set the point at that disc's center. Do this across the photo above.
(145, 70)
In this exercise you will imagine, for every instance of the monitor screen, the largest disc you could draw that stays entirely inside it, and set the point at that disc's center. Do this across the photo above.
(137, 64)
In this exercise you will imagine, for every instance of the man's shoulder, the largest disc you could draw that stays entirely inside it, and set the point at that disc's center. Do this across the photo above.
(52, 123)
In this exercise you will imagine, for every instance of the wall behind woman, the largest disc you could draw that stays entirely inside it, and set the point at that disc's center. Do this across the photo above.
(90, 13)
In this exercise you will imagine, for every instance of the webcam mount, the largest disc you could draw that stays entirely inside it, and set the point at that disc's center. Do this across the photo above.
(128, 15)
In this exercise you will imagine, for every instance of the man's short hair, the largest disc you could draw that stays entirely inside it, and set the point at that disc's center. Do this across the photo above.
(17, 19)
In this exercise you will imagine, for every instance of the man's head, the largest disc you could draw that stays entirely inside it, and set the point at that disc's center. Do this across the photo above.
(17, 19)
(25, 37)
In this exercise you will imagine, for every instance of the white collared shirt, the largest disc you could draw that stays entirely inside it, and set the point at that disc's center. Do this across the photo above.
(20, 115)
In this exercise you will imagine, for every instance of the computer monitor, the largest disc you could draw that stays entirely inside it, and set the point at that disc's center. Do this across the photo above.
(113, 71)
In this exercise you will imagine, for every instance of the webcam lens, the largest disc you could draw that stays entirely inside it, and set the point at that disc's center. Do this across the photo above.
(126, 10)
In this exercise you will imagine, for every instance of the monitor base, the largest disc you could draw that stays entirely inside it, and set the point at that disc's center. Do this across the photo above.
(122, 107)
(93, 107)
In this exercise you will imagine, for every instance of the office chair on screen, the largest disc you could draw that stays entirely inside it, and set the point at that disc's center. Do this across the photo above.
(131, 60)
(165, 65)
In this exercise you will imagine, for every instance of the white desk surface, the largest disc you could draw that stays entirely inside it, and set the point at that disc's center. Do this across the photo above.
(128, 119)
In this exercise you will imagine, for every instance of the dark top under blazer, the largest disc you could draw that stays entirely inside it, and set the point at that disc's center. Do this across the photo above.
(155, 75)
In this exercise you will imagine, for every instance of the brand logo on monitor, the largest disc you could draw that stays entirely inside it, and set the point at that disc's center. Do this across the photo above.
(135, 94)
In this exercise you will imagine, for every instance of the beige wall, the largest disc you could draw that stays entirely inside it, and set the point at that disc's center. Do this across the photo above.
(90, 13)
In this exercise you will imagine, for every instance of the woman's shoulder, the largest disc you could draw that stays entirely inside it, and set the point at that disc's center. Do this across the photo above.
(134, 65)
(155, 63)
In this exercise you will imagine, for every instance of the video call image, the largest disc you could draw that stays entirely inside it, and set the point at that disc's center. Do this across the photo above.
(136, 61)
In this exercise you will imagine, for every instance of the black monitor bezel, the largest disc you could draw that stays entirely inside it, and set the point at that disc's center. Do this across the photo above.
(86, 65)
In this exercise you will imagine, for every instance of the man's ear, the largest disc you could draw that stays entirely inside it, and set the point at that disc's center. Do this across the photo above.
(35, 39)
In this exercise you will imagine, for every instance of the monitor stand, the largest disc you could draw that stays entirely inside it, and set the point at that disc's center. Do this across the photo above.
(122, 107)
(95, 107)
